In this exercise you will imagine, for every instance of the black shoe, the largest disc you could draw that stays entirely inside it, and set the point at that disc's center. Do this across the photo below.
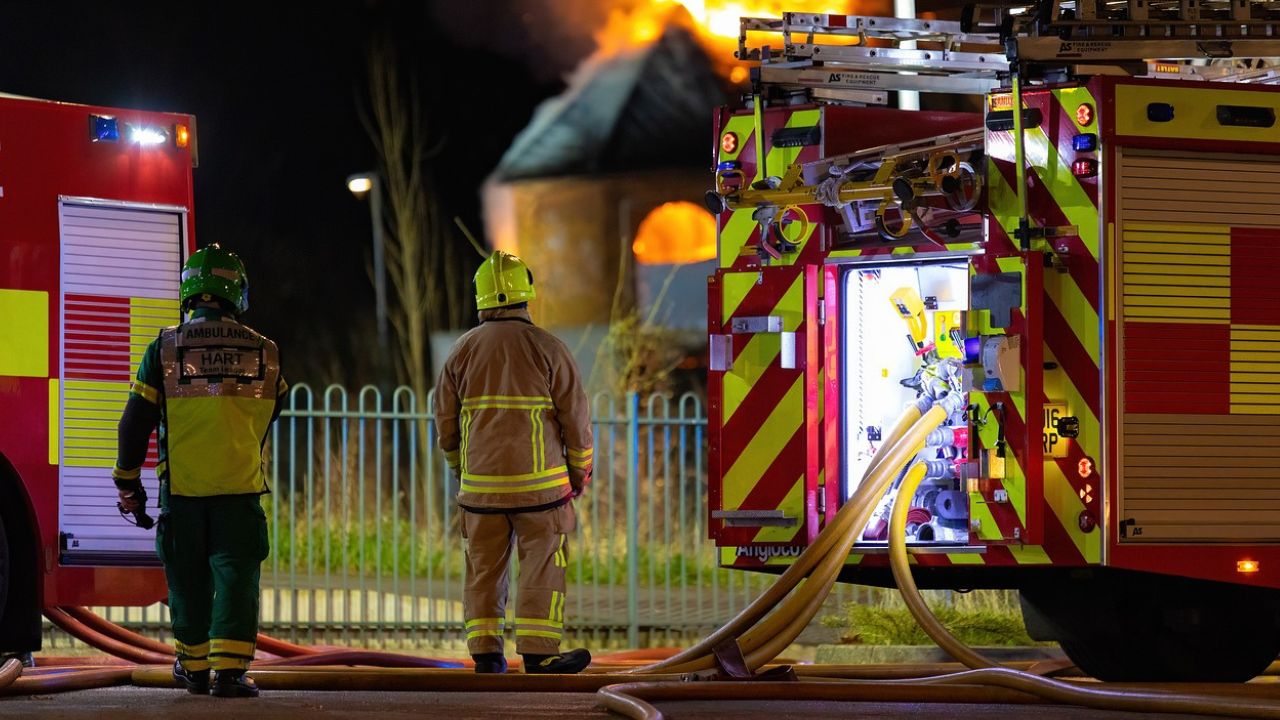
(490, 663)
(234, 684)
(197, 682)
(574, 661)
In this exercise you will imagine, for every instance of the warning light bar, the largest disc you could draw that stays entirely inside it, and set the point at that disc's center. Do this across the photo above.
(1084, 168)
(103, 128)
(143, 135)
(1084, 114)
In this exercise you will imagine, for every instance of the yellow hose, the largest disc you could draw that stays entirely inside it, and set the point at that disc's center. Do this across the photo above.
(901, 567)
(765, 640)
(766, 627)
(829, 551)
(699, 656)
(990, 685)
(782, 627)
(10, 670)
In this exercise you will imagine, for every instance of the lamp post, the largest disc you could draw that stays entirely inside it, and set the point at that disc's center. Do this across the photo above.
(361, 184)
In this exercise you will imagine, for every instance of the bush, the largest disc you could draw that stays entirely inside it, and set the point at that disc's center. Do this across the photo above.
(981, 617)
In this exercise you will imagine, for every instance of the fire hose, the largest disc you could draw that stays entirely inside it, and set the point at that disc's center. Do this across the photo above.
(991, 685)
(10, 670)
(990, 680)
(760, 632)
(829, 549)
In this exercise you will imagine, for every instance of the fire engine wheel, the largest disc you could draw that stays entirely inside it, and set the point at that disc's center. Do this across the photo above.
(1235, 655)
(1139, 629)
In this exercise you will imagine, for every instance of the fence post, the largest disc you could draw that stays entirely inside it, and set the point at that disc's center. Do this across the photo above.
(633, 519)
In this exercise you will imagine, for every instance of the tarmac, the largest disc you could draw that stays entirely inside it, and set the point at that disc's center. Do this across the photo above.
(127, 703)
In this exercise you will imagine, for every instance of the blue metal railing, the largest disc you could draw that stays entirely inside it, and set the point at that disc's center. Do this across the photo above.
(366, 546)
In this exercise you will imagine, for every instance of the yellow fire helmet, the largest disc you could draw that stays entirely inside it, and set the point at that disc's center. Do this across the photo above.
(503, 280)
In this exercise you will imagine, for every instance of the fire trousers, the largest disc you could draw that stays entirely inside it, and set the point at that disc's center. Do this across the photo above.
(212, 549)
(540, 540)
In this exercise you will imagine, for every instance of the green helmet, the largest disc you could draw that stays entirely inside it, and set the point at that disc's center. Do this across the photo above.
(217, 272)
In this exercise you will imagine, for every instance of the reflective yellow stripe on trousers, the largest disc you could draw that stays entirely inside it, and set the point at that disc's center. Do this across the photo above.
(485, 627)
(529, 627)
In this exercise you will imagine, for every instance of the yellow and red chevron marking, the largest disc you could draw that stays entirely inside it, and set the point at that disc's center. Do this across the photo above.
(762, 447)
(739, 233)
(1059, 545)
(1071, 299)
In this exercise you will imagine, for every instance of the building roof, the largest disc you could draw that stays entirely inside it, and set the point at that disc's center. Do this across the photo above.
(649, 107)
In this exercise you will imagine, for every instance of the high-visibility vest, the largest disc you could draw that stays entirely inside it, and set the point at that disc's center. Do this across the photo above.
(220, 389)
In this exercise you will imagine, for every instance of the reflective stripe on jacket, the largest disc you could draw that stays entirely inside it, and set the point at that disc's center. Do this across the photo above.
(221, 381)
(514, 422)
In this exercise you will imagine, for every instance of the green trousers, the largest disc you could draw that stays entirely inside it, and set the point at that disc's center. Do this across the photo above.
(212, 549)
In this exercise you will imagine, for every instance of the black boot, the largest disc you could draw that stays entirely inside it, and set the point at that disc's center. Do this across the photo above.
(490, 663)
(234, 684)
(569, 663)
(197, 682)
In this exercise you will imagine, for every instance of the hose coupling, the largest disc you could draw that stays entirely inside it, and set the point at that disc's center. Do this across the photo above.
(939, 470)
(952, 436)
(922, 404)
(952, 403)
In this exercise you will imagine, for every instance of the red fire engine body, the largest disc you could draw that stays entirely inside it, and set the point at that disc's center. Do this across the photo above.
(95, 221)
(1110, 311)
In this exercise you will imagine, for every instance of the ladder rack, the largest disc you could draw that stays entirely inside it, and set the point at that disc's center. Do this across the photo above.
(858, 59)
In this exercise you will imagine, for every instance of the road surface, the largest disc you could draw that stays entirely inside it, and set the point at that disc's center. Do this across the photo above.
(144, 704)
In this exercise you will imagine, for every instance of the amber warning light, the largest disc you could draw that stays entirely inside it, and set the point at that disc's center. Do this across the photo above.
(1247, 566)
(729, 143)
(181, 135)
(1084, 114)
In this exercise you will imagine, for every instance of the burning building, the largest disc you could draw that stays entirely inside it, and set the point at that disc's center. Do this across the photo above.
(610, 171)
(602, 192)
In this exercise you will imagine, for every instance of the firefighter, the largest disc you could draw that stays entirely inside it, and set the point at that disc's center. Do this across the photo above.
(515, 426)
(212, 386)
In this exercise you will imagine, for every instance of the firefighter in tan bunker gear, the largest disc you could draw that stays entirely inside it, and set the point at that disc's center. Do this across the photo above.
(515, 426)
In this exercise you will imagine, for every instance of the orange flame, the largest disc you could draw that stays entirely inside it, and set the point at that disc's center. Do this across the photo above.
(716, 23)
(675, 233)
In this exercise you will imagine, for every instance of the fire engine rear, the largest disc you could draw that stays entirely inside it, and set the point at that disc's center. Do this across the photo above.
(95, 221)
(1088, 263)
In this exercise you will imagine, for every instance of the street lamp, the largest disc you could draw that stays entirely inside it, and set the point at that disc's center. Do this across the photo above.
(361, 184)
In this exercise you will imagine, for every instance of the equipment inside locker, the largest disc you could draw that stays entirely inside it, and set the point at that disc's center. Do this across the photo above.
(926, 305)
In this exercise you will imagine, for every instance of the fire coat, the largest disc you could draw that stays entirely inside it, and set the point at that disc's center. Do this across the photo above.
(514, 422)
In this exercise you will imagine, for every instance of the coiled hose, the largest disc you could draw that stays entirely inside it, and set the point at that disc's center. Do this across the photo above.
(988, 682)
(827, 554)
(762, 630)
(10, 670)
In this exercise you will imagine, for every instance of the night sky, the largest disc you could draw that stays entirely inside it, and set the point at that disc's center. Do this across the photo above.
(274, 88)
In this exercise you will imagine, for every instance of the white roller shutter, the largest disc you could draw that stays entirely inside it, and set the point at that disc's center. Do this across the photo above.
(120, 273)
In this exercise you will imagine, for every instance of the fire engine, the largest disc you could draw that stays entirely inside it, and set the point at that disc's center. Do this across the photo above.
(1091, 261)
(95, 222)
